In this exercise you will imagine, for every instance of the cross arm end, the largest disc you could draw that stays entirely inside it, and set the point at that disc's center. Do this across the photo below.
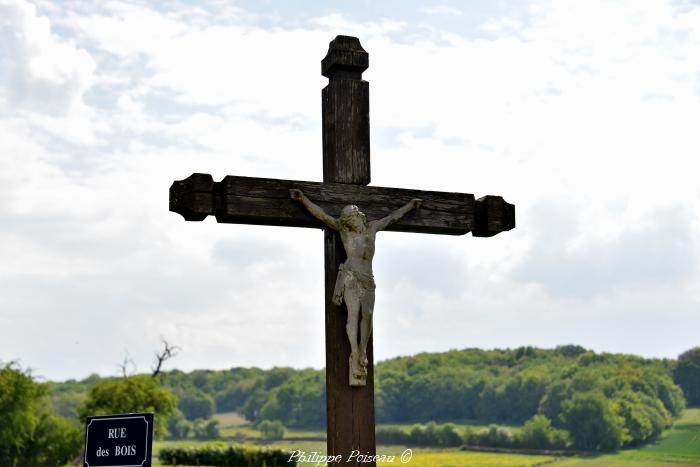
(492, 215)
(193, 197)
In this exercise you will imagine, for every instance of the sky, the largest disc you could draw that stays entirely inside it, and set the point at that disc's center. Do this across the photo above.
(582, 114)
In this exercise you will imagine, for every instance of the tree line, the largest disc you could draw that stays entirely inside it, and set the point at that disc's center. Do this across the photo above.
(586, 400)
(602, 401)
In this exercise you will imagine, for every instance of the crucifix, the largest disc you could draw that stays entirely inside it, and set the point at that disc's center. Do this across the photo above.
(351, 212)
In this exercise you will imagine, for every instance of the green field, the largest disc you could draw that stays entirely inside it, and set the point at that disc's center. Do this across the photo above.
(677, 447)
(234, 426)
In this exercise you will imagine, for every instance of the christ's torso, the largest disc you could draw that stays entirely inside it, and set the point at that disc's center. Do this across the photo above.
(359, 246)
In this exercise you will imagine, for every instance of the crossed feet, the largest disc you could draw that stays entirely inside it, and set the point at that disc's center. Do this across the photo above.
(358, 364)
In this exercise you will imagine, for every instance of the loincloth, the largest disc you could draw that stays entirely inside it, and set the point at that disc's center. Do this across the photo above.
(349, 278)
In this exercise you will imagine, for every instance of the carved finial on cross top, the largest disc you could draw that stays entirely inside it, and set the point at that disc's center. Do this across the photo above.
(345, 57)
(347, 249)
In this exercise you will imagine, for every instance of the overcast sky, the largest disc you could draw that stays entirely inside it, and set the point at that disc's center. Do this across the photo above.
(584, 114)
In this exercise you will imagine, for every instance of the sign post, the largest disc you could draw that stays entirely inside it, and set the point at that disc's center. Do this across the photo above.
(119, 440)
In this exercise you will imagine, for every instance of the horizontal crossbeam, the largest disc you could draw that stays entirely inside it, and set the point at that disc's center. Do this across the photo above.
(266, 201)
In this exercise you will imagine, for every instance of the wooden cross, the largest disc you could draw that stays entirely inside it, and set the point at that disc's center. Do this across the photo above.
(346, 174)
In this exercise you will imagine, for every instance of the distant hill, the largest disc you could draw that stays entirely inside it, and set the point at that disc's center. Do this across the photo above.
(629, 398)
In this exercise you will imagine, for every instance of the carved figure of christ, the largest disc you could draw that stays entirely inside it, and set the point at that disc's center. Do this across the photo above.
(348, 249)
(355, 281)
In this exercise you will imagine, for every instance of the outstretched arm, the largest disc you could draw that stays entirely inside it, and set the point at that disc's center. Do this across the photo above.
(315, 210)
(385, 222)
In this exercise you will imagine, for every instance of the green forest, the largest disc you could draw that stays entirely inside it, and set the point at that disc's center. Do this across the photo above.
(563, 398)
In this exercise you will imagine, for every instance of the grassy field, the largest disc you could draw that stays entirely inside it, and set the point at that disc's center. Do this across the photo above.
(677, 447)
(473, 459)
(234, 426)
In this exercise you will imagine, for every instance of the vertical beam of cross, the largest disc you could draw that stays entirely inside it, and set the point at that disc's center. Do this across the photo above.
(350, 419)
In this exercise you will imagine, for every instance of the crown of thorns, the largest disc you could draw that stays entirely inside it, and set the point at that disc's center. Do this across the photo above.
(349, 211)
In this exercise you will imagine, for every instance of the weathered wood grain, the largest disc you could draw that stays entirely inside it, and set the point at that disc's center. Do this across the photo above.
(345, 57)
(345, 113)
(350, 410)
(345, 120)
(493, 215)
(266, 201)
(193, 197)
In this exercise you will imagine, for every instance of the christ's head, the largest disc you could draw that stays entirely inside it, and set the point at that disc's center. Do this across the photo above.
(352, 218)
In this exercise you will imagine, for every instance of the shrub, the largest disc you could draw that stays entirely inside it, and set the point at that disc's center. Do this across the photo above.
(447, 435)
(178, 426)
(197, 404)
(423, 435)
(206, 429)
(687, 375)
(538, 433)
(271, 429)
(392, 435)
(495, 436)
(225, 456)
(431, 434)
(593, 422)
(470, 436)
(139, 393)
(30, 431)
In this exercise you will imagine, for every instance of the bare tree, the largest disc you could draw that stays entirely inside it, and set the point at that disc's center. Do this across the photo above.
(125, 364)
(168, 352)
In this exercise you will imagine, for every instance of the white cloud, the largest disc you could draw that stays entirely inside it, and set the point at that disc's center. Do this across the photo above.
(42, 72)
(585, 106)
(442, 10)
